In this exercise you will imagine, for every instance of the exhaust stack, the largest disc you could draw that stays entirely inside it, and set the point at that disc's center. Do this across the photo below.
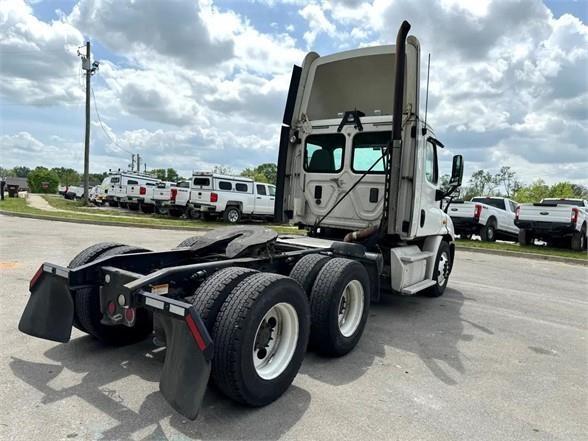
(399, 80)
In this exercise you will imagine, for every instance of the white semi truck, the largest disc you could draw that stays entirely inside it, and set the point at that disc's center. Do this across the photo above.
(357, 168)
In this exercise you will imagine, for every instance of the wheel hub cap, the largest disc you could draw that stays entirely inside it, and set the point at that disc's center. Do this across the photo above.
(275, 341)
(350, 308)
(443, 269)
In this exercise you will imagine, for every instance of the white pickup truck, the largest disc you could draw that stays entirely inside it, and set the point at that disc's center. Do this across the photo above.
(559, 222)
(489, 217)
(214, 195)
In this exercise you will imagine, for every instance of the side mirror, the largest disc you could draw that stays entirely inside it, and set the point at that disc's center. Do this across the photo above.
(456, 171)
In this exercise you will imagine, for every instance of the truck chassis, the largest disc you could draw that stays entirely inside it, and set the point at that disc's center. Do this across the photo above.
(130, 288)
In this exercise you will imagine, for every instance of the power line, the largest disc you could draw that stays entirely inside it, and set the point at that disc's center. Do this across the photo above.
(102, 125)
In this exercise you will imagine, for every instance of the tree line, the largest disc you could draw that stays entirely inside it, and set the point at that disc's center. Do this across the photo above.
(506, 183)
(47, 180)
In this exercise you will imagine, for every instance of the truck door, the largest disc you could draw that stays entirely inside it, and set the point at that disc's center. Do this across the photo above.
(263, 204)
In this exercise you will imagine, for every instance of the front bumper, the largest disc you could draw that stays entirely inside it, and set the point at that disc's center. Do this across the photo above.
(50, 311)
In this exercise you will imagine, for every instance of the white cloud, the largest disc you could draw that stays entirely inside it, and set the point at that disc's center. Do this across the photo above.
(314, 14)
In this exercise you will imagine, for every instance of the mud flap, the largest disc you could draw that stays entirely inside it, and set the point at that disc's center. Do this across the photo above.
(186, 369)
(50, 310)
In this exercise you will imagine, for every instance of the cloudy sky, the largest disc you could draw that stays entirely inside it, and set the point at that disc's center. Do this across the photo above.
(191, 84)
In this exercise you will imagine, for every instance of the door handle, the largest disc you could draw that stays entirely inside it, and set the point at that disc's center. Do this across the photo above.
(258, 197)
(272, 199)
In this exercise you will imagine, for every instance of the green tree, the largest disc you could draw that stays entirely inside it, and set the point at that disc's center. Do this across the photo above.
(481, 183)
(96, 178)
(532, 193)
(5, 172)
(43, 180)
(67, 176)
(158, 173)
(267, 172)
(562, 190)
(506, 178)
(172, 175)
(21, 171)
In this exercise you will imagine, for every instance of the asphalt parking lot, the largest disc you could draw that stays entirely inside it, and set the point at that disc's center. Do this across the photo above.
(501, 356)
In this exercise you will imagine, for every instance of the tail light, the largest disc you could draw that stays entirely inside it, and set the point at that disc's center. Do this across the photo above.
(36, 277)
(477, 212)
(213, 197)
(575, 212)
(142, 190)
(174, 193)
(517, 212)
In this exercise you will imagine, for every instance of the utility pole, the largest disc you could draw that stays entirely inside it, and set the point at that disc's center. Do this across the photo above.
(133, 162)
(138, 163)
(90, 68)
(87, 138)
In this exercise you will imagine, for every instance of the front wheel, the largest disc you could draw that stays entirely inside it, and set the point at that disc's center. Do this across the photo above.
(260, 333)
(442, 269)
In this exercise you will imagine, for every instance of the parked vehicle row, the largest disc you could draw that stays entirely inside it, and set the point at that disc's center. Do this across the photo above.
(206, 195)
(558, 222)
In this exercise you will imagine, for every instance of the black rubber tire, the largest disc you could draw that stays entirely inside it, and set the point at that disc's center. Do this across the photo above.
(437, 290)
(210, 296)
(147, 208)
(233, 371)
(230, 210)
(325, 297)
(87, 307)
(173, 212)
(188, 242)
(578, 242)
(525, 237)
(86, 256)
(112, 203)
(488, 232)
(306, 270)
(133, 206)
(123, 205)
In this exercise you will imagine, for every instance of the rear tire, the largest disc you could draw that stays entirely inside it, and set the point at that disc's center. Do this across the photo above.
(232, 215)
(306, 270)
(339, 306)
(147, 208)
(442, 270)
(525, 237)
(87, 307)
(488, 232)
(86, 256)
(188, 242)
(174, 212)
(265, 318)
(210, 296)
(579, 240)
(133, 207)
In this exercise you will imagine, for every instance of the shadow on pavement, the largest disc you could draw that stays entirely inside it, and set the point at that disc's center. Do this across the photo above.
(101, 366)
(431, 328)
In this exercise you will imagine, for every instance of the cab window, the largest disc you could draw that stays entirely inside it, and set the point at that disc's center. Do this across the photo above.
(368, 148)
(272, 190)
(431, 171)
(324, 153)
(260, 189)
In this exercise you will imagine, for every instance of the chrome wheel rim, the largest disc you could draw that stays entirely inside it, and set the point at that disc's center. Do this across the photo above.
(275, 341)
(350, 308)
(233, 216)
(442, 269)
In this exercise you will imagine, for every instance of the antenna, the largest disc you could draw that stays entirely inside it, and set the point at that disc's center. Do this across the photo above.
(427, 94)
